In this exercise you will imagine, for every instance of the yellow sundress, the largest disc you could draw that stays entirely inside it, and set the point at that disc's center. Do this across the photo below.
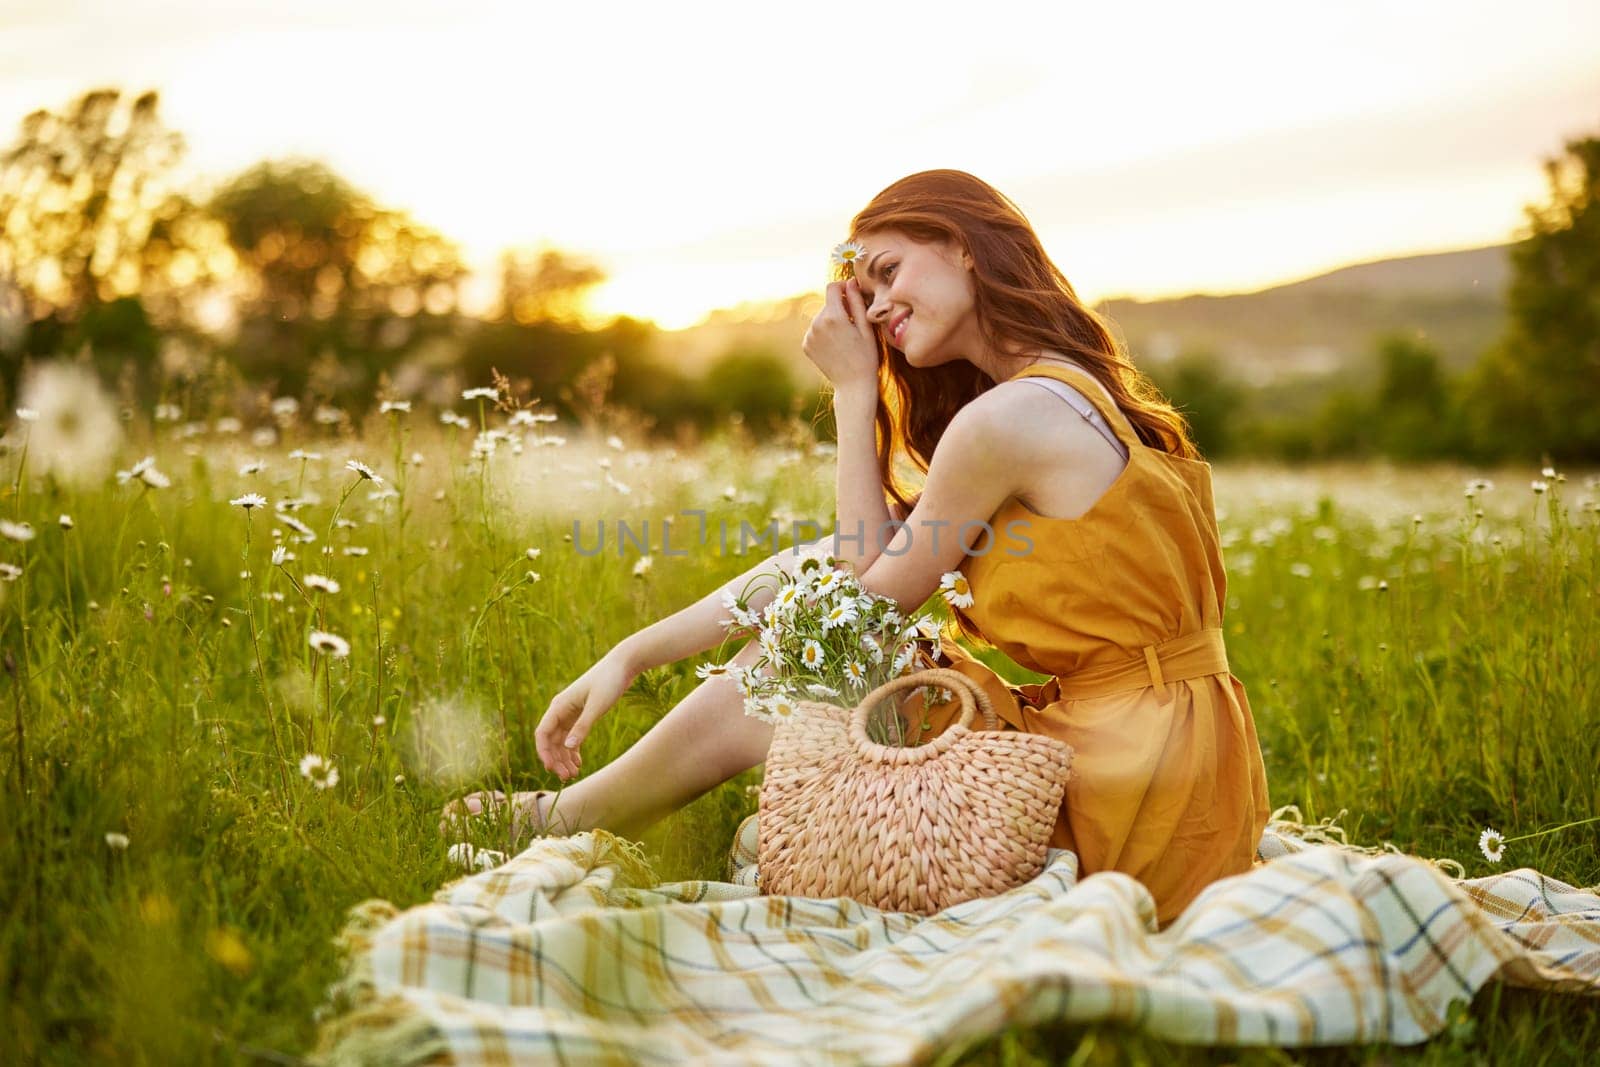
(1123, 607)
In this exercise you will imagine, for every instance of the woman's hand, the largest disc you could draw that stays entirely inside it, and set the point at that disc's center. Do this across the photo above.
(574, 710)
(841, 342)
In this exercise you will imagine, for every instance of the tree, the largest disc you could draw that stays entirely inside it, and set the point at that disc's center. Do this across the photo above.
(328, 272)
(545, 286)
(95, 239)
(1209, 399)
(1416, 419)
(1537, 390)
(756, 383)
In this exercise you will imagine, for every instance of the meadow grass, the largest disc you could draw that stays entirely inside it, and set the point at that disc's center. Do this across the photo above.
(1417, 670)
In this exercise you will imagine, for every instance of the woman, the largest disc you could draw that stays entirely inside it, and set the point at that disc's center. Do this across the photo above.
(1067, 492)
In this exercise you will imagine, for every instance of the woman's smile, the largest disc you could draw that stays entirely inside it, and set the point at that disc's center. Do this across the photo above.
(897, 328)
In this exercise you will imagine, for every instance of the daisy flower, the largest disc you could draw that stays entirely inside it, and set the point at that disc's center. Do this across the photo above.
(819, 551)
(249, 500)
(74, 428)
(116, 842)
(279, 554)
(818, 689)
(321, 582)
(769, 645)
(1492, 843)
(788, 597)
(856, 672)
(839, 615)
(926, 626)
(332, 644)
(362, 469)
(711, 670)
(847, 253)
(874, 648)
(399, 406)
(953, 586)
(354, 550)
(781, 707)
(811, 655)
(15, 531)
(255, 466)
(482, 392)
(306, 533)
(450, 418)
(302, 454)
(641, 568)
(741, 615)
(66, 521)
(827, 582)
(145, 471)
(321, 773)
(1539, 487)
(748, 678)
(902, 659)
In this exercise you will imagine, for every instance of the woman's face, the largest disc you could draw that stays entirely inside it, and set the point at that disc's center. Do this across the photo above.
(919, 296)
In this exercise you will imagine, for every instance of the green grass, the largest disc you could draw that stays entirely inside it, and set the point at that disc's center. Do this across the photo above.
(1461, 696)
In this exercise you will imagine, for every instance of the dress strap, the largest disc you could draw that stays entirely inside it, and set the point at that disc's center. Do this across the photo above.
(1079, 403)
(1094, 394)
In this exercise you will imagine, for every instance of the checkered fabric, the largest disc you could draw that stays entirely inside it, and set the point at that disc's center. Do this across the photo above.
(572, 953)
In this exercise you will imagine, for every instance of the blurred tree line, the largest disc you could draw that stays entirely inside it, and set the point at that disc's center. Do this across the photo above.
(287, 280)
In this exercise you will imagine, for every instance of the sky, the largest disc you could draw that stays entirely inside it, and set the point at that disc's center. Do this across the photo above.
(709, 154)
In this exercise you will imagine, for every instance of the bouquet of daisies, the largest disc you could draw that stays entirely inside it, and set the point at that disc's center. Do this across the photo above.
(824, 636)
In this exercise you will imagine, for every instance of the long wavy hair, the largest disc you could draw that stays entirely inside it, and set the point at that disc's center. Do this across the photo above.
(1022, 300)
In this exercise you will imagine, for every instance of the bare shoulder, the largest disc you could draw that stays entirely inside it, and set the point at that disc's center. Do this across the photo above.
(1062, 463)
(1021, 419)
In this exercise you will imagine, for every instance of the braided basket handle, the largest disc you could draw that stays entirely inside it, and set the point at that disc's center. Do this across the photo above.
(972, 696)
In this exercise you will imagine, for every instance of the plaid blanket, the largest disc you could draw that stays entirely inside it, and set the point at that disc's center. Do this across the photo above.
(572, 952)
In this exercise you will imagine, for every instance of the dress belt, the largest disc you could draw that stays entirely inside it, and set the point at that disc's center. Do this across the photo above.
(1194, 655)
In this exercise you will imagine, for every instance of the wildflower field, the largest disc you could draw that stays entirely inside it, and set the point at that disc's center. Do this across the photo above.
(246, 660)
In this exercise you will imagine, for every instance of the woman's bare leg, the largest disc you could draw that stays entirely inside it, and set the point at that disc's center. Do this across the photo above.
(702, 742)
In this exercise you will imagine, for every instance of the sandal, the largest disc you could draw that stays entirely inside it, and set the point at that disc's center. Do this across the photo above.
(526, 823)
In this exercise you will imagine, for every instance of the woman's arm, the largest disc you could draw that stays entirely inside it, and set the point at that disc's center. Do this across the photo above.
(702, 625)
(862, 529)
(859, 499)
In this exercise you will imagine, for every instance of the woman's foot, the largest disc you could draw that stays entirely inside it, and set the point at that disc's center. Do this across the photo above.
(530, 814)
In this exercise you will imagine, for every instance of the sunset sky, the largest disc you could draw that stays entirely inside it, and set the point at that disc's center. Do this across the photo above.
(707, 154)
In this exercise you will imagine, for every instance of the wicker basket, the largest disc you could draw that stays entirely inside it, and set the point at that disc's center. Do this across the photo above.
(968, 814)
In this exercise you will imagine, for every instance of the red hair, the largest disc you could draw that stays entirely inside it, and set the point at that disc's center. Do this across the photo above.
(1022, 301)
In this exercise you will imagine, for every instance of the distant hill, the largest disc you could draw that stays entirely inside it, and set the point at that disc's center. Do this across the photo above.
(1326, 323)
(1311, 327)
